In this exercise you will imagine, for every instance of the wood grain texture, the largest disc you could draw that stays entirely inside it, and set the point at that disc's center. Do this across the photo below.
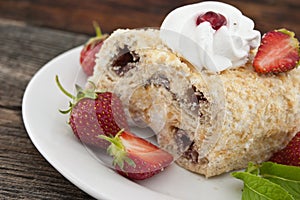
(76, 15)
(32, 32)
(24, 173)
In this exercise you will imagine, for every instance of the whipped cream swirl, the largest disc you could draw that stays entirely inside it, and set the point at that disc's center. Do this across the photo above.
(215, 50)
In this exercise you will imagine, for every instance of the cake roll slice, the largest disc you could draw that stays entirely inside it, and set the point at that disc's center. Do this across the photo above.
(211, 122)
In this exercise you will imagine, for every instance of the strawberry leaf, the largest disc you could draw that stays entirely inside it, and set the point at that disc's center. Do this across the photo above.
(287, 177)
(117, 150)
(88, 93)
(252, 168)
(68, 110)
(97, 29)
(130, 162)
(256, 187)
(62, 88)
(80, 94)
(270, 181)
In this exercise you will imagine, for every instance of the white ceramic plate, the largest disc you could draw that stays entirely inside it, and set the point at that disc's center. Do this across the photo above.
(50, 133)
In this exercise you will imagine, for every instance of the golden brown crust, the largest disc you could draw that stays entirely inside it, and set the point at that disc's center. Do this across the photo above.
(262, 113)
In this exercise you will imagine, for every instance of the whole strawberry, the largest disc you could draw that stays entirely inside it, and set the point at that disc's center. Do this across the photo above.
(136, 158)
(278, 52)
(93, 114)
(290, 155)
(90, 49)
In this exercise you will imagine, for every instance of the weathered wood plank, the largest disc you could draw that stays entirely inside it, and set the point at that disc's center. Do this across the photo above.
(24, 173)
(76, 16)
(23, 51)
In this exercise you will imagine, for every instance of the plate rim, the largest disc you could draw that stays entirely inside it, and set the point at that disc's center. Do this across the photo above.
(54, 163)
(141, 190)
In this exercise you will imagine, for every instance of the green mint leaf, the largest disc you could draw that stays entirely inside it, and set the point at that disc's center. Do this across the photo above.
(258, 188)
(287, 177)
(253, 168)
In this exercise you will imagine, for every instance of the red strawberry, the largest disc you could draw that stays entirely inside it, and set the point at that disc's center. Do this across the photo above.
(136, 158)
(278, 52)
(90, 49)
(93, 114)
(215, 19)
(290, 155)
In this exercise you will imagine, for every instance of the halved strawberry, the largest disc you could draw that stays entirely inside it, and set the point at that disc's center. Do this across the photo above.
(278, 52)
(93, 114)
(90, 49)
(290, 155)
(136, 158)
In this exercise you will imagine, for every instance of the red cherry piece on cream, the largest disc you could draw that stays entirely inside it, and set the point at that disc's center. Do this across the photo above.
(215, 19)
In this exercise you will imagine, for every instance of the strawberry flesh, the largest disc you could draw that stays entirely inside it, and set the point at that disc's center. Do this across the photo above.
(290, 155)
(136, 158)
(278, 52)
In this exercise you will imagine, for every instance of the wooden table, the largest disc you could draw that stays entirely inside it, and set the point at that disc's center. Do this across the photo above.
(31, 34)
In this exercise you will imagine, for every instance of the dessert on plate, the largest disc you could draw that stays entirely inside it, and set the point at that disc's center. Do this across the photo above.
(193, 83)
